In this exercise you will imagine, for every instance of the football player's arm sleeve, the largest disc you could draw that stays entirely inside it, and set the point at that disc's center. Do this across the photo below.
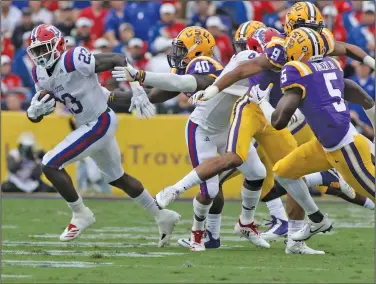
(171, 82)
(108, 61)
(243, 71)
(286, 107)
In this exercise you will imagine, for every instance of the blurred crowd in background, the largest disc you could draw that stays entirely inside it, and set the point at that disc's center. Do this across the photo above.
(143, 31)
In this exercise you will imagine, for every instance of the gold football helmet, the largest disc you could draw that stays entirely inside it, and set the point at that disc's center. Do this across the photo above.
(303, 14)
(190, 43)
(243, 33)
(304, 44)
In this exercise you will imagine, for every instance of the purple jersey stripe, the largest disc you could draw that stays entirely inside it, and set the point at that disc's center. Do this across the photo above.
(236, 132)
(360, 162)
(228, 136)
(355, 174)
(297, 129)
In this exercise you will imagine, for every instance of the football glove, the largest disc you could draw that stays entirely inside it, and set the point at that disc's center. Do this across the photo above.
(128, 73)
(41, 107)
(141, 103)
(258, 95)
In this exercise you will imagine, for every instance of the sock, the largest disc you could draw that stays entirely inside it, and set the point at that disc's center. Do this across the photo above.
(214, 224)
(314, 179)
(277, 209)
(294, 226)
(148, 202)
(188, 181)
(371, 115)
(300, 193)
(201, 212)
(369, 204)
(78, 206)
(330, 178)
(250, 200)
(316, 217)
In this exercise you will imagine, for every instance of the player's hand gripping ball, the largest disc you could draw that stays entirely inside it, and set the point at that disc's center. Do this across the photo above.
(44, 93)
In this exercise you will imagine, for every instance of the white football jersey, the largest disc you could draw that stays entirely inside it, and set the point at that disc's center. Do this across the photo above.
(214, 114)
(75, 84)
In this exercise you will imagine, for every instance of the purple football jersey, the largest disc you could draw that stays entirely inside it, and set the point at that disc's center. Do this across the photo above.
(264, 79)
(275, 52)
(201, 65)
(322, 103)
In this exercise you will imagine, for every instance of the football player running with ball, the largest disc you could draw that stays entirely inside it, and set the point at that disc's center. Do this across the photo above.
(70, 77)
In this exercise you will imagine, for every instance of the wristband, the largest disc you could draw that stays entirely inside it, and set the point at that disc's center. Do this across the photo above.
(369, 61)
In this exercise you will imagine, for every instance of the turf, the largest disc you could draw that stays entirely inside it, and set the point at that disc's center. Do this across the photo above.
(121, 248)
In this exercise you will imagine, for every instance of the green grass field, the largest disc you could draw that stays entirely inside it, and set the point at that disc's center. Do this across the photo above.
(121, 248)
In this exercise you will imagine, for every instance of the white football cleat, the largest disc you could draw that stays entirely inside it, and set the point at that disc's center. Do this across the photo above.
(343, 185)
(250, 232)
(311, 229)
(197, 241)
(185, 243)
(293, 247)
(166, 222)
(167, 195)
(79, 223)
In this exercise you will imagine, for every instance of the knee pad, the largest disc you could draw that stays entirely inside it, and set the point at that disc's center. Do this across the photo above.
(210, 187)
(254, 183)
(253, 169)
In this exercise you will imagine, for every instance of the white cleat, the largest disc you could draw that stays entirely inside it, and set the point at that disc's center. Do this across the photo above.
(250, 232)
(185, 243)
(197, 241)
(79, 223)
(167, 195)
(311, 229)
(343, 185)
(166, 221)
(293, 247)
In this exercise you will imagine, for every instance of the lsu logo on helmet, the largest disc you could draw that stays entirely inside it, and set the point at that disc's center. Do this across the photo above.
(303, 14)
(190, 43)
(304, 44)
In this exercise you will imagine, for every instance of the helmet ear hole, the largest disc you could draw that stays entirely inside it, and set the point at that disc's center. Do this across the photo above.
(197, 53)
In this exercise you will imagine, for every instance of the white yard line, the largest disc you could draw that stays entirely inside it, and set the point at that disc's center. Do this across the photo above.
(91, 253)
(125, 236)
(9, 227)
(55, 264)
(15, 276)
(78, 244)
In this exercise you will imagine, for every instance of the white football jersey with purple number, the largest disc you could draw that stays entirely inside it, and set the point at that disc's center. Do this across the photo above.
(75, 84)
(214, 114)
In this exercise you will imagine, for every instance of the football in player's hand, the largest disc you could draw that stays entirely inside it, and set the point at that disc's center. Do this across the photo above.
(44, 93)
